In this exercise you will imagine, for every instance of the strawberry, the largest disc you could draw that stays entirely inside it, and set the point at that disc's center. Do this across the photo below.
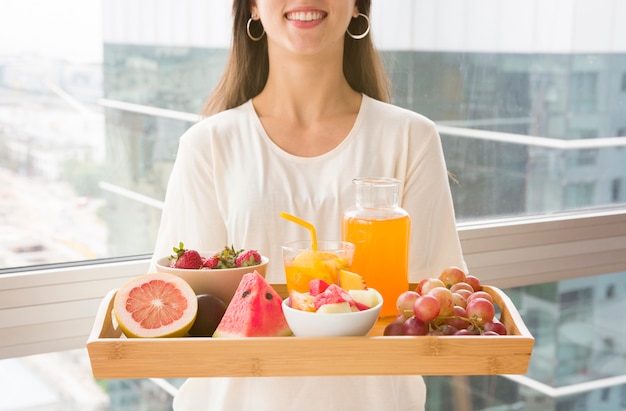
(248, 258)
(227, 257)
(187, 259)
(211, 262)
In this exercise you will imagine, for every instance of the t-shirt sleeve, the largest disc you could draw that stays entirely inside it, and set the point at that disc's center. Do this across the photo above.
(191, 211)
(434, 238)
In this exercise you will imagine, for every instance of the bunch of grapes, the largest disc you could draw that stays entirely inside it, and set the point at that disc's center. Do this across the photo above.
(452, 304)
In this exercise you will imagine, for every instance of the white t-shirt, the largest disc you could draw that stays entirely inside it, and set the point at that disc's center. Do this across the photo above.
(230, 182)
(228, 186)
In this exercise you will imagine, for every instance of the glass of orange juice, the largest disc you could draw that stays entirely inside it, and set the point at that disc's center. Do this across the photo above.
(303, 263)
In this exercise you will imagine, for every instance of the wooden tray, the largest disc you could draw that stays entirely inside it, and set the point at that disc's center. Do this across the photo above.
(114, 356)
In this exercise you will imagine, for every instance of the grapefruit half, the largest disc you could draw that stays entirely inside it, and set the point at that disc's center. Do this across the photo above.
(155, 305)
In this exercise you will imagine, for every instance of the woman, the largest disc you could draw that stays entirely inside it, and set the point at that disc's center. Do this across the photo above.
(300, 111)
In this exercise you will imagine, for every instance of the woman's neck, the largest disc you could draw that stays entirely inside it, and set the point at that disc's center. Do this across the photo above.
(306, 88)
(307, 106)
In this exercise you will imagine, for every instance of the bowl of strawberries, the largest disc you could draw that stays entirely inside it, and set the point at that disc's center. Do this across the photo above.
(213, 272)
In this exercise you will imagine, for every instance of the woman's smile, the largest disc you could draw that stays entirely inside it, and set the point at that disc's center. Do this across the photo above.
(305, 16)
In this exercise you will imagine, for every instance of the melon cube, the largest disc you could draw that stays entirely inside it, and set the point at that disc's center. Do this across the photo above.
(335, 308)
(366, 297)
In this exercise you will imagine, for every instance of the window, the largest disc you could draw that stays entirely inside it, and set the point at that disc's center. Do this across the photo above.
(579, 193)
(91, 112)
(572, 304)
(584, 92)
(616, 190)
(97, 138)
(610, 291)
(578, 403)
(581, 158)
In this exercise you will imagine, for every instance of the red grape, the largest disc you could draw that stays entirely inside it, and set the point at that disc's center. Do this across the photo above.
(459, 300)
(452, 275)
(473, 281)
(445, 300)
(496, 326)
(418, 287)
(458, 319)
(430, 284)
(464, 293)
(426, 308)
(413, 326)
(405, 301)
(462, 286)
(480, 311)
(401, 318)
(447, 329)
(480, 294)
(394, 328)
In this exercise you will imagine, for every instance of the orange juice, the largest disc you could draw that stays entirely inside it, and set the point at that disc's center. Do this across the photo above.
(306, 267)
(381, 255)
(302, 264)
(380, 231)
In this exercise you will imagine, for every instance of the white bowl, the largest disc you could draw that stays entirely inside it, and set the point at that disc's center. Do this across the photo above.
(313, 324)
(220, 282)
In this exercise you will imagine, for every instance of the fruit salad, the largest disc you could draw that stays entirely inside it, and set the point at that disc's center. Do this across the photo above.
(326, 298)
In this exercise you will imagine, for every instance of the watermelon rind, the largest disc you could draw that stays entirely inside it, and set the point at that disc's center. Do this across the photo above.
(255, 311)
(180, 297)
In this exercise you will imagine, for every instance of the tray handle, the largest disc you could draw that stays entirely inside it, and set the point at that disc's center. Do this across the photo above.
(508, 313)
(104, 325)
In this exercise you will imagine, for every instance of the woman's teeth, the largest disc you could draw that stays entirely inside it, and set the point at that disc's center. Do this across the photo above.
(305, 15)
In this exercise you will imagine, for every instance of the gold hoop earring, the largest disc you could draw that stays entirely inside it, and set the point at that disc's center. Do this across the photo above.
(254, 38)
(365, 33)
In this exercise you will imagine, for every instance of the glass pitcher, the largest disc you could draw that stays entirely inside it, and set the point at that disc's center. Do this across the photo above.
(380, 230)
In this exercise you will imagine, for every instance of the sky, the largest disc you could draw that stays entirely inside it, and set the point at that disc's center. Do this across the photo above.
(68, 28)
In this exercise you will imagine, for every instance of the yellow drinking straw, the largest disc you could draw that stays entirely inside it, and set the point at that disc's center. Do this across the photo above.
(305, 224)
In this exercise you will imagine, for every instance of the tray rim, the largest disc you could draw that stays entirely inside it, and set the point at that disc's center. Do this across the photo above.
(114, 356)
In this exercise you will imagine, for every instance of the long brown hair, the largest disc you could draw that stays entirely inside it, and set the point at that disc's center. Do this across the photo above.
(247, 69)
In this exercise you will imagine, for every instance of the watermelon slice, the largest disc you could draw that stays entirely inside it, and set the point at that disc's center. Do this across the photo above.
(255, 311)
